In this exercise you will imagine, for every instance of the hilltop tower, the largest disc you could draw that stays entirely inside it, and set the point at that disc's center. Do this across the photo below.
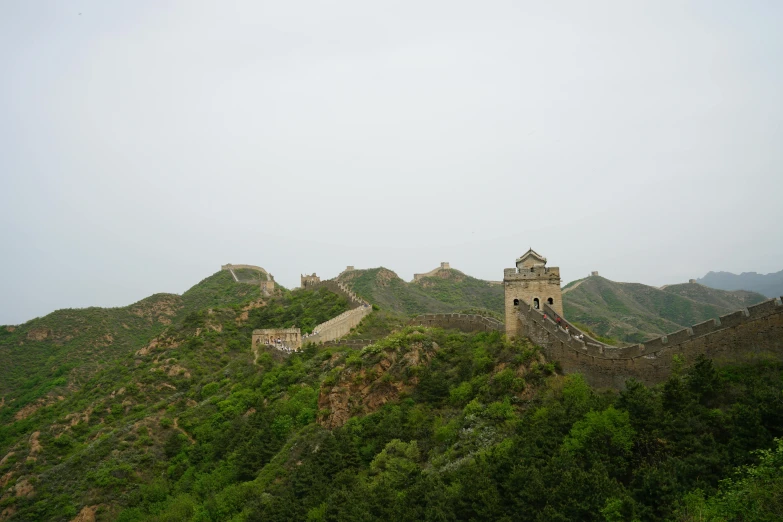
(531, 283)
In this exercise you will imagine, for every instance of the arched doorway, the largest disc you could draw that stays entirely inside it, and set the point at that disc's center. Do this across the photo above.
(536, 303)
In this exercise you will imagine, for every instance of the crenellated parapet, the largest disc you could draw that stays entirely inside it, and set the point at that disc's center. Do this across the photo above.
(308, 280)
(341, 325)
(350, 343)
(443, 266)
(249, 267)
(267, 280)
(755, 333)
(463, 322)
(529, 274)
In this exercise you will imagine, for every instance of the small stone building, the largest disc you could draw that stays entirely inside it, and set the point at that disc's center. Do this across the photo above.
(290, 338)
(531, 283)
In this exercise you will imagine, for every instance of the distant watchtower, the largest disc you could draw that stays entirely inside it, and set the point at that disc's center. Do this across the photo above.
(308, 280)
(530, 283)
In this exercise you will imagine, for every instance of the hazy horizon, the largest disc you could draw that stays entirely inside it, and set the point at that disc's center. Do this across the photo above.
(143, 145)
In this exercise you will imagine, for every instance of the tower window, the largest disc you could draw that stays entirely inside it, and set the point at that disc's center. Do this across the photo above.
(535, 303)
(516, 302)
(550, 301)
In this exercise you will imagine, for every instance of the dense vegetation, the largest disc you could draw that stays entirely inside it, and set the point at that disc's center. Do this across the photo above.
(425, 424)
(93, 442)
(634, 312)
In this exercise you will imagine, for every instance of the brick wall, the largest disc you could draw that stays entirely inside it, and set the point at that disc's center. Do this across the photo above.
(463, 322)
(742, 336)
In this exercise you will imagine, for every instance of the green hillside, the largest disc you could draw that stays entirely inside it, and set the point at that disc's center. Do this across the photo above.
(95, 413)
(448, 291)
(72, 345)
(424, 425)
(249, 275)
(462, 291)
(634, 312)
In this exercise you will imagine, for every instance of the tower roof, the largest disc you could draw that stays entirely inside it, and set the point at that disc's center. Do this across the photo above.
(531, 258)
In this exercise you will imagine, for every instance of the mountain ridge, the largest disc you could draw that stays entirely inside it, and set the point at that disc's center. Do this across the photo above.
(770, 285)
(633, 312)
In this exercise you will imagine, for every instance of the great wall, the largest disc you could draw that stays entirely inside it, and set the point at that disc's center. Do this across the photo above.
(443, 266)
(267, 281)
(291, 339)
(743, 336)
(534, 310)
(463, 322)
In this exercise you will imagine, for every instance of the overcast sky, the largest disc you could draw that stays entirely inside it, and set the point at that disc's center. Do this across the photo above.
(145, 143)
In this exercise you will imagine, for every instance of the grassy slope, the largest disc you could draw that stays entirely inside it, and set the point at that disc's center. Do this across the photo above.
(462, 291)
(634, 312)
(71, 345)
(384, 288)
(449, 291)
(248, 275)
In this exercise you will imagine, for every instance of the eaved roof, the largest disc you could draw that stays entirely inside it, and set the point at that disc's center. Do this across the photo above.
(531, 254)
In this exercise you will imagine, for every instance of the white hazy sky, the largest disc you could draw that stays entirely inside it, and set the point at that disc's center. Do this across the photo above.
(143, 144)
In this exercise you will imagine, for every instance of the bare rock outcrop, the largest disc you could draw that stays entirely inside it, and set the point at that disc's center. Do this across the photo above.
(362, 388)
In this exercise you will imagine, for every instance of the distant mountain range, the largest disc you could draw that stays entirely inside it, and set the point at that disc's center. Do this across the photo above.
(770, 285)
(628, 312)
(634, 312)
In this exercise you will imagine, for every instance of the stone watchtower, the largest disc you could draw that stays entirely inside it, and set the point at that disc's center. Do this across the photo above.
(531, 283)
(308, 280)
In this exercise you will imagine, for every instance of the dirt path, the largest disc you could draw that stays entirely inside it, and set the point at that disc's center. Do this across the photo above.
(185, 433)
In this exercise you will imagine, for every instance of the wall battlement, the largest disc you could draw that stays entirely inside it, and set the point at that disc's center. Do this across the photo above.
(351, 343)
(250, 267)
(267, 286)
(536, 272)
(463, 322)
(443, 266)
(737, 337)
(341, 325)
(338, 287)
(308, 280)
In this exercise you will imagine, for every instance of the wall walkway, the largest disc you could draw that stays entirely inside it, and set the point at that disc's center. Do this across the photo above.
(341, 325)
